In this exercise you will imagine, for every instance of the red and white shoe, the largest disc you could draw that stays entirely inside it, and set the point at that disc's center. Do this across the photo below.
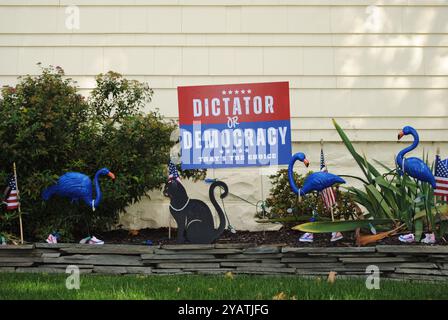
(307, 237)
(408, 238)
(95, 240)
(52, 239)
(335, 236)
(430, 238)
(85, 240)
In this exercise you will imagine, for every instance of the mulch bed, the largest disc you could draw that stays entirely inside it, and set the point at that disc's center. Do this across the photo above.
(283, 236)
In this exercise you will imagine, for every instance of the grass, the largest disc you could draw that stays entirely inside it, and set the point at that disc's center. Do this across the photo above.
(52, 286)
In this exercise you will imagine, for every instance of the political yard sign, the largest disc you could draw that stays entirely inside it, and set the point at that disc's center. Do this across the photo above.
(234, 125)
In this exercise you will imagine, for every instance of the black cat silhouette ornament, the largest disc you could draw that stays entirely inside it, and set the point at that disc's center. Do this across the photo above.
(193, 217)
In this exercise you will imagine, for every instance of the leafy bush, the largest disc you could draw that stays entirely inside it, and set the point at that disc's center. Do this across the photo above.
(282, 198)
(48, 129)
(8, 226)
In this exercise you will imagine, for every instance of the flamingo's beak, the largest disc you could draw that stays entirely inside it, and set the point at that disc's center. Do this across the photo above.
(110, 174)
(400, 135)
(306, 162)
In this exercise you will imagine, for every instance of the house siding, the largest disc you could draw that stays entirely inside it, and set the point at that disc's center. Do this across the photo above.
(374, 66)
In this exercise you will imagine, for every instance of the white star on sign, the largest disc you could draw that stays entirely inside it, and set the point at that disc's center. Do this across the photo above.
(236, 91)
(249, 91)
(230, 91)
(224, 92)
(243, 91)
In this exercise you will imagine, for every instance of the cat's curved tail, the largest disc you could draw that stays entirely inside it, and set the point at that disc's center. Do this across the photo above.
(222, 218)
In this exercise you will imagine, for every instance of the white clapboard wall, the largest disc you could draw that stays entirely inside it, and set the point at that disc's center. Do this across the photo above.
(374, 66)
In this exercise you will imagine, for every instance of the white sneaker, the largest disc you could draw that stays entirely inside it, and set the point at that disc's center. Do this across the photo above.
(307, 237)
(85, 240)
(335, 236)
(407, 238)
(430, 238)
(94, 240)
(52, 239)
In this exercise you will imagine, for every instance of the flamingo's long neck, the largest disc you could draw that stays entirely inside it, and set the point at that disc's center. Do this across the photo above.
(99, 195)
(292, 183)
(414, 145)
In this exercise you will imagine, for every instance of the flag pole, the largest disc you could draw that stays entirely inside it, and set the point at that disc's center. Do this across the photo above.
(18, 200)
(435, 197)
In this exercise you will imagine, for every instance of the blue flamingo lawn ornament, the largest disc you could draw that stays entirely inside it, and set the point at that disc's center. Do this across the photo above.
(414, 167)
(77, 186)
(316, 181)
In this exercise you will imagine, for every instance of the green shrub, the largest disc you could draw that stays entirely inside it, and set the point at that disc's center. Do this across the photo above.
(282, 198)
(8, 226)
(48, 129)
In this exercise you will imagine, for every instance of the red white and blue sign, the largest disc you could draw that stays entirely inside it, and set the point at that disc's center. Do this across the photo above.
(234, 125)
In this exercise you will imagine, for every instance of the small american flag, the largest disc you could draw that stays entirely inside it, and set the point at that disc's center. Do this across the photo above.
(12, 201)
(328, 195)
(173, 173)
(441, 178)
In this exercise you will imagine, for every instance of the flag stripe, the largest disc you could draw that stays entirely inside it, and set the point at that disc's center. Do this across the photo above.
(441, 175)
(12, 201)
(328, 195)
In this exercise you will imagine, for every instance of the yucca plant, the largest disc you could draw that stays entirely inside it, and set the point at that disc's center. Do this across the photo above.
(392, 195)
(389, 198)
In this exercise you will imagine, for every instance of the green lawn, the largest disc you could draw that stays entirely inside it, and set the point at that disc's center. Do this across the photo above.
(52, 286)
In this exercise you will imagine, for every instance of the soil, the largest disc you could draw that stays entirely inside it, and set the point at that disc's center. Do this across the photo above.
(283, 236)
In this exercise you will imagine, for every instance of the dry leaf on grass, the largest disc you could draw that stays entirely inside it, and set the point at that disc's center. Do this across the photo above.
(279, 296)
(331, 277)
